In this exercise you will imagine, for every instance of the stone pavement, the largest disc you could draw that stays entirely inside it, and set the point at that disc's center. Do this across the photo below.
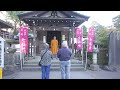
(74, 75)
(104, 74)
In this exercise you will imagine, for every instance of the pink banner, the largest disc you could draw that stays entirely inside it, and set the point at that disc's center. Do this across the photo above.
(90, 43)
(24, 39)
(79, 35)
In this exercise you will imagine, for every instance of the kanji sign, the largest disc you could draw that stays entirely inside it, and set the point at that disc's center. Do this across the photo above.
(90, 39)
(24, 39)
(79, 38)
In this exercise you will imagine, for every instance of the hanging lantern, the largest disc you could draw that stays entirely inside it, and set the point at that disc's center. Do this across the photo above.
(54, 29)
(43, 29)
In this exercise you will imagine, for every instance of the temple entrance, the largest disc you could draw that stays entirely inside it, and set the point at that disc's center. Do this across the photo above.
(51, 34)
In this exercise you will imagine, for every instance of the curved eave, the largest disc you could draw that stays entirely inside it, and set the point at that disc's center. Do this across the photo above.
(30, 13)
(81, 15)
(24, 15)
(4, 24)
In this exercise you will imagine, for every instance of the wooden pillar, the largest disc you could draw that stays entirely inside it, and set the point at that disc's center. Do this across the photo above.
(73, 38)
(31, 47)
(69, 38)
(28, 50)
(34, 42)
(0, 31)
(72, 41)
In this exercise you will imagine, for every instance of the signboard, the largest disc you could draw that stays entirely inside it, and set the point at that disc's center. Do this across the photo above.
(24, 39)
(79, 35)
(0, 73)
(1, 55)
(1, 52)
(90, 44)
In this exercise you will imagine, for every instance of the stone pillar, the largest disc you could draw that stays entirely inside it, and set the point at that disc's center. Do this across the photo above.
(95, 66)
(94, 56)
(34, 42)
(11, 62)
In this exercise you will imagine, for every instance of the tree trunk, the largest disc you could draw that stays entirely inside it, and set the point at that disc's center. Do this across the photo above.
(15, 28)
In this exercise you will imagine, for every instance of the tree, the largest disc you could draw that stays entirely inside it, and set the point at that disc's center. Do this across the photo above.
(95, 23)
(101, 35)
(116, 22)
(13, 16)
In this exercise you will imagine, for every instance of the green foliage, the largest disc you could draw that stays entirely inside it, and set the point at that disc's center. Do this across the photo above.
(13, 16)
(102, 56)
(101, 36)
(116, 21)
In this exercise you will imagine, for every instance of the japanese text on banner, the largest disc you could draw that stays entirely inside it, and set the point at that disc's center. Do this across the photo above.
(90, 43)
(79, 35)
(23, 39)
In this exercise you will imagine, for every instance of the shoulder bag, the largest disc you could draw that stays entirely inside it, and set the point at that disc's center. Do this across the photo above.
(41, 59)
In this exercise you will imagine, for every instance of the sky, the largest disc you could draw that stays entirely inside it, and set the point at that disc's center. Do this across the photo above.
(102, 17)
(2, 13)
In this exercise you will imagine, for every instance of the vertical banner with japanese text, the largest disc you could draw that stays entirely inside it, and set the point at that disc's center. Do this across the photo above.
(24, 39)
(79, 35)
(90, 43)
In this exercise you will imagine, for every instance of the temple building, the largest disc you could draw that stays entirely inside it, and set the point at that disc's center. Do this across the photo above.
(46, 24)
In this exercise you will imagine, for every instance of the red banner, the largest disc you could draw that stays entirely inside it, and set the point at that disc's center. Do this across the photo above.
(24, 39)
(79, 34)
(90, 43)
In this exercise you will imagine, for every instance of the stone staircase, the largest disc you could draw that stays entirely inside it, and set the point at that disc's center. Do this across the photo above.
(32, 65)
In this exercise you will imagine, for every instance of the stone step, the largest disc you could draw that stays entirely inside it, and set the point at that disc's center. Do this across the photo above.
(52, 65)
(53, 62)
(32, 65)
(52, 68)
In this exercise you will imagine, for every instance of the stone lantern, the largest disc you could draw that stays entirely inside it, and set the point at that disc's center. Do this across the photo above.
(94, 66)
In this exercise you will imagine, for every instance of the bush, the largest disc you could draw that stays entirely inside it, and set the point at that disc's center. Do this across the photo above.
(103, 56)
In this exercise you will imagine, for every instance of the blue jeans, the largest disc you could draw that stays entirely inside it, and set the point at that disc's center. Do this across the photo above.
(45, 72)
(65, 69)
